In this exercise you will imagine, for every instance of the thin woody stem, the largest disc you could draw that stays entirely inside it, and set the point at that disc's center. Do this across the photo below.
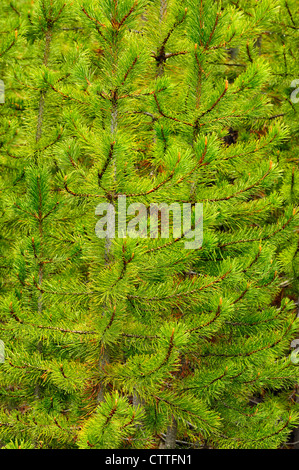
(42, 98)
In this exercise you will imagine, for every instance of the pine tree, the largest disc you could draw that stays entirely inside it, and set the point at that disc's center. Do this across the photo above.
(279, 44)
(141, 342)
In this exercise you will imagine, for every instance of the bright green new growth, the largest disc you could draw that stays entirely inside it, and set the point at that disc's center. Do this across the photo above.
(141, 343)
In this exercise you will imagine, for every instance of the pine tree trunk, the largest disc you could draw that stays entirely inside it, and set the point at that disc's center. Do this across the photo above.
(40, 119)
(104, 360)
(171, 435)
(296, 430)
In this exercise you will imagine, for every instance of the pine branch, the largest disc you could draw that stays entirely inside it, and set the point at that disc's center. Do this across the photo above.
(76, 194)
(217, 315)
(94, 20)
(10, 45)
(169, 117)
(261, 238)
(241, 191)
(107, 161)
(66, 96)
(212, 32)
(181, 294)
(120, 24)
(129, 70)
(250, 353)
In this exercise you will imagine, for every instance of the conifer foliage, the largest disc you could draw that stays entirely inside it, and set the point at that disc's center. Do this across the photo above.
(139, 342)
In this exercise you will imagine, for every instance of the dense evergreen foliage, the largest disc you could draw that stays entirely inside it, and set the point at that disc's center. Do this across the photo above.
(141, 342)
